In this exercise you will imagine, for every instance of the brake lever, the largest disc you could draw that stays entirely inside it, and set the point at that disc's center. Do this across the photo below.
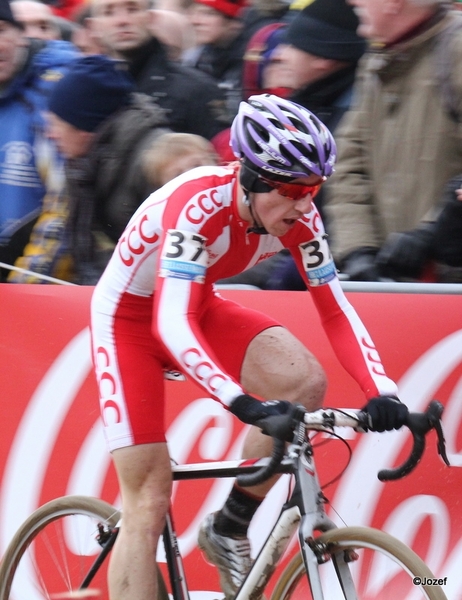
(419, 425)
(435, 420)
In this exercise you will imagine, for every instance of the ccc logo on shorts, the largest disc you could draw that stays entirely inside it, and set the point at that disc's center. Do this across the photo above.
(107, 386)
(202, 369)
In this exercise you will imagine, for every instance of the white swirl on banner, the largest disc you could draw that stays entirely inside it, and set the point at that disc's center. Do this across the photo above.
(357, 496)
(32, 447)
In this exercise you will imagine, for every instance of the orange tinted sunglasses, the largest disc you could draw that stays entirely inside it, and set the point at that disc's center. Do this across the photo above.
(294, 191)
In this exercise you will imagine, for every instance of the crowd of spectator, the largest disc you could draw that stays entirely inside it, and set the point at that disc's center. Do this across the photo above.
(103, 101)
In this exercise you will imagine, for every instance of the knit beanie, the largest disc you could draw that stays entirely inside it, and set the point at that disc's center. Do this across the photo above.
(230, 8)
(7, 15)
(93, 88)
(327, 28)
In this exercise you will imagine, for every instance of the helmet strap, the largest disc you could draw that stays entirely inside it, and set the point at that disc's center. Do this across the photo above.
(255, 227)
(248, 179)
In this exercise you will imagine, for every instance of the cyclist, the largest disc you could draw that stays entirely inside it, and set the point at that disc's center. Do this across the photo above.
(155, 309)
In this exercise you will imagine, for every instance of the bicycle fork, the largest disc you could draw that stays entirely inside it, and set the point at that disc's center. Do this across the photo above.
(305, 512)
(306, 505)
(311, 501)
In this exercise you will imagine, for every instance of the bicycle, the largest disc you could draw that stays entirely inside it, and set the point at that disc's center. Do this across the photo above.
(322, 543)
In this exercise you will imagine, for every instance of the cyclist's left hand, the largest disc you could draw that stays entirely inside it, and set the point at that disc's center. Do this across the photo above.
(386, 413)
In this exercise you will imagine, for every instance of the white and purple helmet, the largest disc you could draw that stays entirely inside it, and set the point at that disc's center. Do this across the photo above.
(281, 140)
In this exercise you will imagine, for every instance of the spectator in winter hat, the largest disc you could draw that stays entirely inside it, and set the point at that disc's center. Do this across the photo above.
(220, 45)
(94, 88)
(320, 53)
(228, 8)
(103, 128)
(262, 73)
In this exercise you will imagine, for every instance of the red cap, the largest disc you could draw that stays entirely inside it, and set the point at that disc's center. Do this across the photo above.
(231, 8)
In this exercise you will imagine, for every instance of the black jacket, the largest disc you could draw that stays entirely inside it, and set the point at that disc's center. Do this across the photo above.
(192, 100)
(224, 64)
(328, 98)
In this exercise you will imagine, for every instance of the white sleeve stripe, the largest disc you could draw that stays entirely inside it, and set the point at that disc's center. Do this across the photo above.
(370, 354)
(178, 336)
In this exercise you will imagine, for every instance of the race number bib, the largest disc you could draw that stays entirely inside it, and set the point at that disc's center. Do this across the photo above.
(317, 261)
(184, 256)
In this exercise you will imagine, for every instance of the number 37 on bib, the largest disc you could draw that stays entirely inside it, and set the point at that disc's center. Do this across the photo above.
(184, 256)
(317, 261)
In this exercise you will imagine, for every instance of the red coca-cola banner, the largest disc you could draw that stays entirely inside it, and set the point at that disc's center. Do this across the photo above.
(51, 442)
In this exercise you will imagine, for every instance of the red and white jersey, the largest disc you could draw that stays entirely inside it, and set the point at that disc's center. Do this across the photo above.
(186, 236)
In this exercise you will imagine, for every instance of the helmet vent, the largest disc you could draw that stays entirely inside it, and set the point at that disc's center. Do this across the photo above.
(277, 124)
(298, 125)
(286, 154)
(308, 152)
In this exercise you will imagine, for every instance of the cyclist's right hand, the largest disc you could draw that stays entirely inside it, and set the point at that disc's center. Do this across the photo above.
(250, 410)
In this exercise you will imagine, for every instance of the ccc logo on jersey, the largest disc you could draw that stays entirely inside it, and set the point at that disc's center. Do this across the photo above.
(205, 205)
(134, 241)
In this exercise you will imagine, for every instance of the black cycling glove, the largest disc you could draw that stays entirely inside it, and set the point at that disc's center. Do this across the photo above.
(250, 410)
(386, 413)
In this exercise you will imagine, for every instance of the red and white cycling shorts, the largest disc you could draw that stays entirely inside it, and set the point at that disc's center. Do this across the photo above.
(130, 363)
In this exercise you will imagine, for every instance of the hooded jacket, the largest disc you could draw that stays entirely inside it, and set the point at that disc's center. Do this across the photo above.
(108, 184)
(398, 145)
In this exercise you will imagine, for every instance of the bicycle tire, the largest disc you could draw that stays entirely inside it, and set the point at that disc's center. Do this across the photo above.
(358, 538)
(30, 581)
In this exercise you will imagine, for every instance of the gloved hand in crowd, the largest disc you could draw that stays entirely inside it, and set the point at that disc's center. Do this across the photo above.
(405, 254)
(448, 226)
(250, 410)
(360, 265)
(386, 413)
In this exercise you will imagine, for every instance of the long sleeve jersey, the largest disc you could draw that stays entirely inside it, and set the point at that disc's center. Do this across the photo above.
(186, 236)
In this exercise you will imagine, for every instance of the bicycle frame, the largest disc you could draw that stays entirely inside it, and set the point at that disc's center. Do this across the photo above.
(304, 510)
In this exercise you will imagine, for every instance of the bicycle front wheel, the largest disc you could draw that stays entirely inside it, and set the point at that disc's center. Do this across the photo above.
(53, 550)
(383, 569)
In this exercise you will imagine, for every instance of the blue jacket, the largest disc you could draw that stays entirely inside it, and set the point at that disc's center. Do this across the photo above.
(22, 104)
